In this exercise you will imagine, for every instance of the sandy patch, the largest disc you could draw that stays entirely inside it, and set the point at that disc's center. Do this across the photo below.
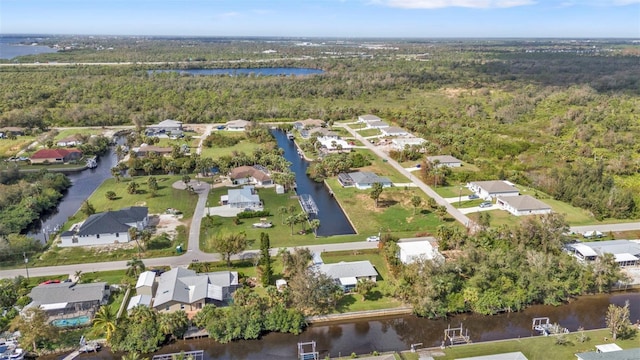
(368, 204)
(168, 223)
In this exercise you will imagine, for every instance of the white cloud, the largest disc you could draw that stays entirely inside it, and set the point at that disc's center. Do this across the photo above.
(598, 3)
(478, 4)
(229, 14)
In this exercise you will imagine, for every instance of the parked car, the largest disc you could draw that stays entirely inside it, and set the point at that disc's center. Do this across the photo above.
(486, 204)
(373, 238)
(473, 196)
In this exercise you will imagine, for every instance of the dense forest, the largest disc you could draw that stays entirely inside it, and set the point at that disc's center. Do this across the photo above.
(539, 113)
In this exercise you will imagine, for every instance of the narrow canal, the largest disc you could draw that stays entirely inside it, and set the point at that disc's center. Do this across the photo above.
(333, 220)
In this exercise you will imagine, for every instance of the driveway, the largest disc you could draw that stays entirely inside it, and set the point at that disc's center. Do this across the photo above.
(226, 210)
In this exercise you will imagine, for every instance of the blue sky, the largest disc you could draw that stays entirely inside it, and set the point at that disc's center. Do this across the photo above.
(330, 18)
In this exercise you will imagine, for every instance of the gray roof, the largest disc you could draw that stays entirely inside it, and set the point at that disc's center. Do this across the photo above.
(110, 222)
(525, 202)
(167, 123)
(238, 123)
(378, 124)
(629, 354)
(395, 130)
(369, 118)
(186, 286)
(367, 177)
(139, 300)
(496, 186)
(614, 247)
(348, 269)
(504, 356)
(67, 292)
(443, 159)
(146, 279)
(244, 195)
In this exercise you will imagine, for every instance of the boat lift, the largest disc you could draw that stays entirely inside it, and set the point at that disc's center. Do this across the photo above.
(457, 335)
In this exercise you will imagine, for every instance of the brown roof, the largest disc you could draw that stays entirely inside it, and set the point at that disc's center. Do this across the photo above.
(53, 153)
(248, 171)
(311, 122)
(156, 149)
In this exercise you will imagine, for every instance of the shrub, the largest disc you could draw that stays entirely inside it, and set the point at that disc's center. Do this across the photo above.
(253, 214)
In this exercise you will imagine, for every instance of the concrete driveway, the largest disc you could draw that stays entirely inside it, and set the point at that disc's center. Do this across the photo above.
(226, 210)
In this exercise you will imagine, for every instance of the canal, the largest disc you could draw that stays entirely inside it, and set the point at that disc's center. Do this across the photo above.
(333, 220)
(398, 333)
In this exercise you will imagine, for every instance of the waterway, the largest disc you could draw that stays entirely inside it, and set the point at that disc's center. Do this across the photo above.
(333, 220)
(398, 333)
(83, 184)
(278, 71)
(11, 47)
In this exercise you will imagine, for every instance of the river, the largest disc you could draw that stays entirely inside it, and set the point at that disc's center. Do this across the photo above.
(83, 184)
(333, 220)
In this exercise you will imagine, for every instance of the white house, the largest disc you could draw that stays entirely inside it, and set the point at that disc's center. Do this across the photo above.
(347, 274)
(368, 118)
(445, 160)
(377, 125)
(626, 253)
(332, 143)
(523, 205)
(400, 144)
(237, 125)
(73, 140)
(139, 300)
(146, 283)
(363, 180)
(412, 249)
(394, 131)
(319, 132)
(167, 126)
(242, 198)
(493, 189)
(108, 227)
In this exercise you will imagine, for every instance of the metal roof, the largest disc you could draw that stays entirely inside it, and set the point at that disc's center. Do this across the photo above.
(67, 292)
(629, 354)
(186, 286)
(146, 279)
(443, 159)
(495, 186)
(524, 203)
(366, 177)
(349, 269)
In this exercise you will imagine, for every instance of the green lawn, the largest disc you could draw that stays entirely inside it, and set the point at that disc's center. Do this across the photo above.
(245, 146)
(539, 347)
(381, 168)
(369, 132)
(10, 148)
(452, 191)
(68, 132)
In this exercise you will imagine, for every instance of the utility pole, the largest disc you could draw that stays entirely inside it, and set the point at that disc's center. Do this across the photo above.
(26, 262)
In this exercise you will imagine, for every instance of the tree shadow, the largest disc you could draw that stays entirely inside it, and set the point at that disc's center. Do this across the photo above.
(344, 303)
(373, 295)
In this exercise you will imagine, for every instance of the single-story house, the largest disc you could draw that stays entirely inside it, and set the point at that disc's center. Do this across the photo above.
(237, 125)
(425, 248)
(362, 180)
(394, 131)
(628, 354)
(377, 125)
(445, 160)
(69, 297)
(368, 118)
(146, 284)
(242, 198)
(73, 140)
(144, 150)
(332, 143)
(400, 144)
(493, 188)
(517, 355)
(14, 130)
(320, 132)
(184, 289)
(250, 175)
(347, 274)
(55, 156)
(139, 300)
(309, 123)
(523, 205)
(166, 126)
(107, 227)
(626, 252)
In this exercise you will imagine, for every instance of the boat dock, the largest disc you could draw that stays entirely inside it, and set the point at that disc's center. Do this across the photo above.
(544, 327)
(307, 203)
(195, 355)
(457, 335)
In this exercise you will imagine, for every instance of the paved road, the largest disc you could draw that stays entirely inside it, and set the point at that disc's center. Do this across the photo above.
(607, 227)
(454, 212)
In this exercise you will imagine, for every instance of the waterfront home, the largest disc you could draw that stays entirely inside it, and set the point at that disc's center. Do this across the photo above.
(394, 131)
(169, 127)
(144, 150)
(242, 198)
(184, 289)
(55, 156)
(523, 205)
(333, 143)
(319, 132)
(109, 227)
(493, 189)
(362, 180)
(69, 298)
(73, 140)
(257, 175)
(307, 124)
(414, 249)
(347, 274)
(238, 125)
(625, 252)
(444, 160)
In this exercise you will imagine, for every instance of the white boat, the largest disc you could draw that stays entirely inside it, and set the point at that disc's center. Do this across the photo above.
(92, 163)
(13, 354)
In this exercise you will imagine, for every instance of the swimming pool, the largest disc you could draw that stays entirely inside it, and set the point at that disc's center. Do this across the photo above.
(70, 322)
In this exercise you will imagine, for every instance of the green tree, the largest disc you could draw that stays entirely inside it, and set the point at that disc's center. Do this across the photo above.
(291, 220)
(314, 224)
(186, 179)
(376, 191)
(148, 167)
(87, 208)
(229, 244)
(135, 267)
(132, 187)
(115, 172)
(313, 292)
(104, 321)
(173, 323)
(282, 210)
(265, 260)
(140, 332)
(416, 201)
(110, 195)
(364, 287)
(152, 184)
(34, 327)
(617, 319)
(441, 212)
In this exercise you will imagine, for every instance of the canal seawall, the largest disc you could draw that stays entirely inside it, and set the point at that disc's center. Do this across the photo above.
(367, 314)
(346, 214)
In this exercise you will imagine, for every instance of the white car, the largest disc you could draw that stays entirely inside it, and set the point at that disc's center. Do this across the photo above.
(373, 238)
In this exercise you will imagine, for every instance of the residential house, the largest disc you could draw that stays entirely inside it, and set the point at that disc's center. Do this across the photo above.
(625, 252)
(13, 130)
(368, 118)
(394, 131)
(73, 140)
(146, 284)
(242, 198)
(320, 132)
(55, 156)
(523, 205)
(184, 289)
(413, 249)
(493, 189)
(256, 174)
(139, 300)
(401, 144)
(332, 143)
(444, 160)
(347, 274)
(377, 125)
(107, 227)
(144, 150)
(169, 127)
(69, 298)
(308, 124)
(613, 354)
(362, 180)
(238, 125)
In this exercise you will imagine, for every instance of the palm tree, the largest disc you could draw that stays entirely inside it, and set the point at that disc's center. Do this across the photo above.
(282, 210)
(314, 224)
(105, 321)
(135, 266)
(115, 172)
(291, 220)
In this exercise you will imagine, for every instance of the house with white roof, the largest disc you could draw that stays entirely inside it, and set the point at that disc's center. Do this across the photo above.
(494, 188)
(107, 227)
(377, 125)
(237, 125)
(146, 284)
(332, 143)
(362, 180)
(139, 300)
(347, 274)
(401, 143)
(523, 205)
(394, 131)
(423, 248)
(368, 118)
(242, 198)
(626, 252)
(319, 132)
(610, 353)
(168, 126)
(444, 160)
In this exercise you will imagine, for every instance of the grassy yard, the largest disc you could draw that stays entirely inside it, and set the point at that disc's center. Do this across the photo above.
(369, 132)
(9, 148)
(394, 214)
(245, 145)
(68, 132)
(381, 168)
(453, 191)
(539, 347)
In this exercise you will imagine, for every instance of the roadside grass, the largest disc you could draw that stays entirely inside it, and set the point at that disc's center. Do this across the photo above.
(280, 234)
(111, 276)
(83, 131)
(10, 148)
(539, 347)
(167, 142)
(395, 214)
(354, 126)
(381, 168)
(452, 191)
(369, 132)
